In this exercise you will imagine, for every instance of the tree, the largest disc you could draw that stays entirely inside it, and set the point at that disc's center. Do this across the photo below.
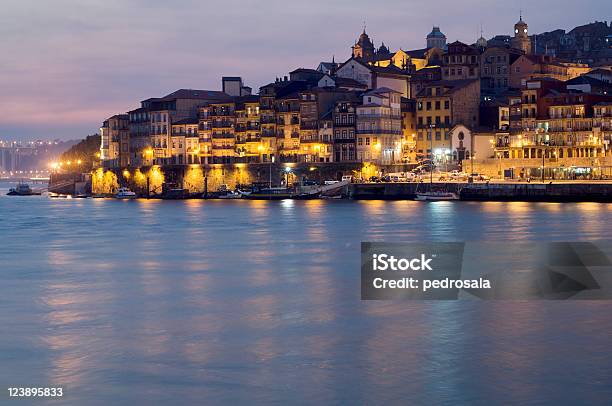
(85, 152)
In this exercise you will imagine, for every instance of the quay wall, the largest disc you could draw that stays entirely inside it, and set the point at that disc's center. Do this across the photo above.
(561, 192)
(198, 179)
(494, 167)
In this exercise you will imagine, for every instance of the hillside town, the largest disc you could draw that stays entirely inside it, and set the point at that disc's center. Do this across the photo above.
(511, 106)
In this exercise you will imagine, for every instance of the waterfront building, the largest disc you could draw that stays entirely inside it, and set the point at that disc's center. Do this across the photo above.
(495, 66)
(527, 67)
(233, 86)
(341, 83)
(181, 104)
(115, 142)
(439, 107)
(185, 142)
(141, 151)
(326, 134)
(409, 129)
(205, 134)
(424, 77)
(312, 147)
(561, 129)
(460, 61)
(344, 116)
(267, 121)
(375, 77)
(379, 127)
(248, 129)
(287, 107)
(222, 122)
(105, 148)
(316, 145)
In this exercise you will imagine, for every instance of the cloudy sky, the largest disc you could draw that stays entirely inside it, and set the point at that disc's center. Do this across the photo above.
(68, 64)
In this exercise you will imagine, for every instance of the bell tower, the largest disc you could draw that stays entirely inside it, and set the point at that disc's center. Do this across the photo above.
(521, 38)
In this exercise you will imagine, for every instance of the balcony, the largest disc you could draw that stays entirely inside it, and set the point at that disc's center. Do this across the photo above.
(380, 116)
(378, 131)
(222, 124)
(288, 109)
(309, 125)
(267, 120)
(223, 135)
(221, 113)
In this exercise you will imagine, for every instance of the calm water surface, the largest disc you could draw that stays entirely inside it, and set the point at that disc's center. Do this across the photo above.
(153, 302)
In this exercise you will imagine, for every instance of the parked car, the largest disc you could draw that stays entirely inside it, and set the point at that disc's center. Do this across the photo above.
(480, 177)
(419, 170)
(347, 178)
(457, 175)
(374, 179)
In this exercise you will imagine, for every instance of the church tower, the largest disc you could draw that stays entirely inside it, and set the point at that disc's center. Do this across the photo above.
(364, 48)
(521, 38)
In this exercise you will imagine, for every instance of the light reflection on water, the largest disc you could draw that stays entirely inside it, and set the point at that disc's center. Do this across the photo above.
(236, 301)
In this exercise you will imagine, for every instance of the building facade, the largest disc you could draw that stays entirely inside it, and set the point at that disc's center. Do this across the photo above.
(379, 127)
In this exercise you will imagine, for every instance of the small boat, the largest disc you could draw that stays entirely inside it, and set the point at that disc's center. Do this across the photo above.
(433, 196)
(22, 189)
(231, 195)
(125, 193)
(269, 193)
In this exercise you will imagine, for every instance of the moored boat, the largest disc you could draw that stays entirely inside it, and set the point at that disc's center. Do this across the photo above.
(436, 195)
(125, 193)
(231, 195)
(22, 189)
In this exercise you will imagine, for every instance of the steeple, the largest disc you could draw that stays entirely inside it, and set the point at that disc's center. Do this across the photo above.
(521, 38)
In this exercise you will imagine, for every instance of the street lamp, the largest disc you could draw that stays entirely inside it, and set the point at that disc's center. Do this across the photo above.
(260, 149)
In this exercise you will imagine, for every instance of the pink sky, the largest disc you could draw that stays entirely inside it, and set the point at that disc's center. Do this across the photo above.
(69, 64)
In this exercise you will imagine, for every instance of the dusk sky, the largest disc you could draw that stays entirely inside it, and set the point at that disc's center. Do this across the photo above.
(69, 64)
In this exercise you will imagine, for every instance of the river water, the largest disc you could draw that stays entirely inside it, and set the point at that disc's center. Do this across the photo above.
(216, 302)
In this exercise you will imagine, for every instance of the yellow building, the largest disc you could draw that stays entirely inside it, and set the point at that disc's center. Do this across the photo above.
(267, 120)
(439, 107)
(185, 146)
(409, 130)
(222, 118)
(205, 134)
(248, 130)
(574, 131)
(379, 127)
(288, 126)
